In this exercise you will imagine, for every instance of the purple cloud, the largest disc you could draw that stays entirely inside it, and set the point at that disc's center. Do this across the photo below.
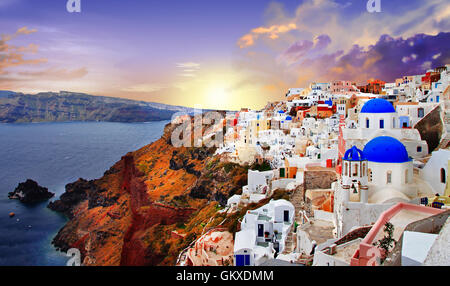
(305, 48)
(388, 59)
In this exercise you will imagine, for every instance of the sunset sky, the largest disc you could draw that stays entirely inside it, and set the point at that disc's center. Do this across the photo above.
(223, 54)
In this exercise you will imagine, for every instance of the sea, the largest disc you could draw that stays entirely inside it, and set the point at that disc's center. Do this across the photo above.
(55, 154)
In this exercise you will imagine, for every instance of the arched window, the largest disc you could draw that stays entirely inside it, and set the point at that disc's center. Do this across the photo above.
(443, 177)
(355, 170)
(389, 177)
(363, 170)
(406, 176)
(346, 169)
(393, 122)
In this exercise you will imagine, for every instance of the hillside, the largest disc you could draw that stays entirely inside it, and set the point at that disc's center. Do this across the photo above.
(69, 106)
(149, 206)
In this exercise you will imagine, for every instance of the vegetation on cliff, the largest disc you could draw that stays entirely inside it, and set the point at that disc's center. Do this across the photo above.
(149, 206)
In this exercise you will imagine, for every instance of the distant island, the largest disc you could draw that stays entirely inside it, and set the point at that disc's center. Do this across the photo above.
(70, 106)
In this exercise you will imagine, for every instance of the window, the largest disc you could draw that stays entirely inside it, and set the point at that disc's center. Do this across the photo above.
(367, 123)
(406, 176)
(363, 170)
(389, 177)
(420, 112)
(346, 169)
(381, 124)
(355, 170)
(443, 177)
(419, 149)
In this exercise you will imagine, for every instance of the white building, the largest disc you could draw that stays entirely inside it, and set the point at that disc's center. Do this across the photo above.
(263, 233)
(294, 91)
(435, 171)
(372, 181)
(258, 188)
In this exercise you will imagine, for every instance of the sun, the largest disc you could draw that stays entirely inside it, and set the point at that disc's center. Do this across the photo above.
(218, 96)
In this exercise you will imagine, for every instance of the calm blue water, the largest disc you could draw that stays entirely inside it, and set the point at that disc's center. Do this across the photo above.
(54, 154)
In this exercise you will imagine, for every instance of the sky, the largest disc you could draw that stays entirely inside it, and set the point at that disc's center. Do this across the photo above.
(221, 54)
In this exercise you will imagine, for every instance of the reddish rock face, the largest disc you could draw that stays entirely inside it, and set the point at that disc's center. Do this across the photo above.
(145, 214)
(127, 216)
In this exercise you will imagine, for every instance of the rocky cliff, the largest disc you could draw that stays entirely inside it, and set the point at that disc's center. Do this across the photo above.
(129, 216)
(69, 106)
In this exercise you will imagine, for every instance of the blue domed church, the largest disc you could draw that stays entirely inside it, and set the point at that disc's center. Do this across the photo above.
(378, 118)
(373, 179)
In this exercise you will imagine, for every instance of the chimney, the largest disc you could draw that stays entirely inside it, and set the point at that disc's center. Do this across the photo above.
(333, 249)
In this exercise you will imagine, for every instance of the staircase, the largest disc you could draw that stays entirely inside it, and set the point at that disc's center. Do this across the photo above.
(296, 199)
(445, 140)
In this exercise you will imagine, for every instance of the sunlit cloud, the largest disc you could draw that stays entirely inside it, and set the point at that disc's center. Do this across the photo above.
(189, 69)
(13, 56)
(190, 65)
(145, 88)
(326, 44)
(273, 32)
(55, 74)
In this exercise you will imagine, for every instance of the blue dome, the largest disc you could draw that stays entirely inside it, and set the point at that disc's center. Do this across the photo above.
(354, 154)
(378, 105)
(281, 111)
(288, 118)
(386, 149)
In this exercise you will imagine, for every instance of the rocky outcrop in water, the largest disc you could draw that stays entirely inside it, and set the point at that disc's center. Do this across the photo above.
(30, 192)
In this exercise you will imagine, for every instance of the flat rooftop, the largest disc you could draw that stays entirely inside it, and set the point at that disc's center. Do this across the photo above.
(319, 230)
(346, 251)
(400, 221)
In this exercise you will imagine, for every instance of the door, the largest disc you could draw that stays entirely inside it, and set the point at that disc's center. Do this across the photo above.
(260, 230)
(282, 173)
(240, 260)
(247, 260)
(286, 216)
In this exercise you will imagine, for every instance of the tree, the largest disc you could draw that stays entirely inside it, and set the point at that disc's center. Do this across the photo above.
(387, 242)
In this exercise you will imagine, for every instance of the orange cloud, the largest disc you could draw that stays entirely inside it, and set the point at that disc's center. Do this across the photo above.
(25, 31)
(15, 59)
(56, 74)
(12, 56)
(271, 32)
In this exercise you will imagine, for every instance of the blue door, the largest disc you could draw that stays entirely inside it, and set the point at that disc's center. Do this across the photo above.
(242, 260)
(260, 230)
(239, 260)
(247, 260)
